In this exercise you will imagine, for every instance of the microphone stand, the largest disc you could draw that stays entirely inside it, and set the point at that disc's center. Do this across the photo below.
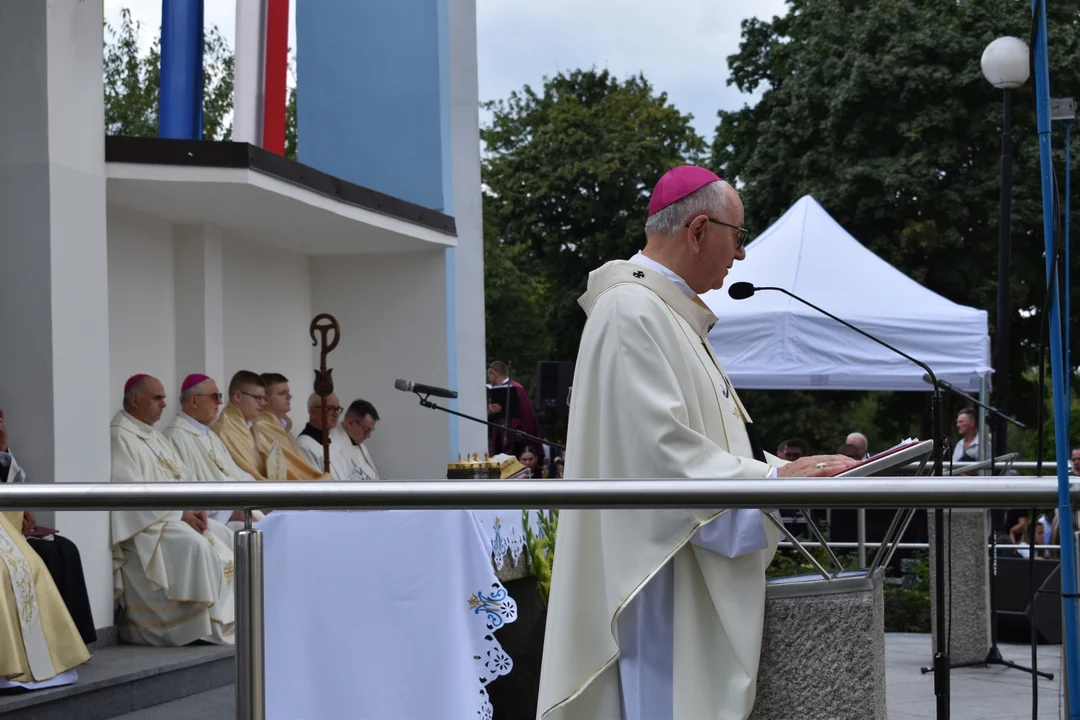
(519, 433)
(993, 655)
(941, 657)
(994, 412)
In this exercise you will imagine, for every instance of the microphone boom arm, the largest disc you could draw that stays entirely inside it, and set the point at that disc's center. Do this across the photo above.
(942, 663)
(988, 408)
(424, 402)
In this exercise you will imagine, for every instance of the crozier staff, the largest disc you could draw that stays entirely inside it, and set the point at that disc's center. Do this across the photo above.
(658, 614)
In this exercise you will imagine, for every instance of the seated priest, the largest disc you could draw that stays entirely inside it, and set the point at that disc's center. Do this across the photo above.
(59, 554)
(311, 437)
(252, 439)
(40, 644)
(358, 425)
(172, 569)
(200, 448)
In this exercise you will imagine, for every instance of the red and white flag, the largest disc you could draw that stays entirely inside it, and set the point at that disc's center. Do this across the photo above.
(259, 73)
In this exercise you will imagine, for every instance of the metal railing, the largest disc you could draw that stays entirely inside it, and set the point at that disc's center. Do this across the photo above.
(810, 493)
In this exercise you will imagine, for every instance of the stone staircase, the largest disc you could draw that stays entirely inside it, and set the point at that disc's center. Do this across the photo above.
(136, 683)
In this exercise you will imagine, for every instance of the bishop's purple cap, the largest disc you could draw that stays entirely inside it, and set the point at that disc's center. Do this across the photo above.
(677, 183)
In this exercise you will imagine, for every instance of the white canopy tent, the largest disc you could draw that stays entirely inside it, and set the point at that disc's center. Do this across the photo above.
(772, 342)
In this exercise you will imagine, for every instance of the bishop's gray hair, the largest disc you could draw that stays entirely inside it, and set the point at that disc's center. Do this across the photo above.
(710, 200)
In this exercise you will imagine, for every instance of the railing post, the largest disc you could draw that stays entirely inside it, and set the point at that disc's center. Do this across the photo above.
(250, 675)
(860, 535)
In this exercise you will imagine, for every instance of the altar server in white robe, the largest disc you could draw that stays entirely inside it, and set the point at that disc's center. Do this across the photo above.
(353, 433)
(200, 448)
(349, 459)
(310, 438)
(658, 614)
(172, 570)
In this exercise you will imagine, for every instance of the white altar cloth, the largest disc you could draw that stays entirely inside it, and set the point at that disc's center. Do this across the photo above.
(380, 615)
(504, 530)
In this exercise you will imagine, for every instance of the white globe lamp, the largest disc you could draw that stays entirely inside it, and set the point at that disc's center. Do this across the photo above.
(1005, 63)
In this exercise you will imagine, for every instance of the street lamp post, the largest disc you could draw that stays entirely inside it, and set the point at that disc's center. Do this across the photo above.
(1005, 66)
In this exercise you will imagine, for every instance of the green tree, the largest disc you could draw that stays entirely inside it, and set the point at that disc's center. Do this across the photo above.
(570, 168)
(879, 110)
(515, 298)
(132, 81)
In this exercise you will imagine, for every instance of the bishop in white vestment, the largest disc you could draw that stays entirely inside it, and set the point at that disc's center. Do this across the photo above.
(199, 447)
(658, 614)
(172, 570)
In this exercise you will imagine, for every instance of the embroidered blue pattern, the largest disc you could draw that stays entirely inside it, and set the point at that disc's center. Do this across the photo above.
(499, 546)
(498, 605)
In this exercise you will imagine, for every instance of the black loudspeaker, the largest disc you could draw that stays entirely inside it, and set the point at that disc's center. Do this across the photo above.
(553, 381)
(1013, 595)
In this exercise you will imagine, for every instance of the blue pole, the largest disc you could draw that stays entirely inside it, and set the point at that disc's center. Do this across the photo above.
(1057, 356)
(1067, 280)
(181, 88)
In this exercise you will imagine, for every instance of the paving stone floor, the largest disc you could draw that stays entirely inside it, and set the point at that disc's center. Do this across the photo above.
(989, 693)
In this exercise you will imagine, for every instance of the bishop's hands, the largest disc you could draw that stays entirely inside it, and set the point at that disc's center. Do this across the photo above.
(198, 520)
(816, 466)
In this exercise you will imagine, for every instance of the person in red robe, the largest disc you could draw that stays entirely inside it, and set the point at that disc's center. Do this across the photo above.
(519, 414)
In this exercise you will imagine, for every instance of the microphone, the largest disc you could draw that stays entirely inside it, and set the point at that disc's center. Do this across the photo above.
(741, 290)
(407, 386)
(989, 408)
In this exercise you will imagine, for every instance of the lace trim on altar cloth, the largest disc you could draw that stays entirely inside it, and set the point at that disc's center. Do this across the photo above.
(492, 609)
(506, 540)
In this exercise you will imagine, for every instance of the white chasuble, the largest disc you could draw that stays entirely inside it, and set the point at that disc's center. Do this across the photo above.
(174, 585)
(39, 644)
(205, 455)
(313, 451)
(357, 457)
(654, 614)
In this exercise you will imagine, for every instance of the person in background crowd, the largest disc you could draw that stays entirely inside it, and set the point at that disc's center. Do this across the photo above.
(852, 451)
(793, 449)
(531, 459)
(860, 442)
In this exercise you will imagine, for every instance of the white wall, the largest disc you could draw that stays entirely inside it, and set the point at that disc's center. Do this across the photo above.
(468, 216)
(267, 315)
(142, 318)
(393, 325)
(53, 296)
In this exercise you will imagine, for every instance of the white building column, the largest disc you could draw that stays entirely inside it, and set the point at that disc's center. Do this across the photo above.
(471, 361)
(200, 335)
(54, 368)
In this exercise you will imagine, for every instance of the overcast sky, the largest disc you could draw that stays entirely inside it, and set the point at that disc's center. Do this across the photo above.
(681, 50)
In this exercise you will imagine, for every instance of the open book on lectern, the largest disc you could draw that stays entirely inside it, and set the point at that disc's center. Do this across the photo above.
(899, 455)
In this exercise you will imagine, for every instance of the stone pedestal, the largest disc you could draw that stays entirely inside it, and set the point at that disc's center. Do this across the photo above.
(969, 587)
(823, 650)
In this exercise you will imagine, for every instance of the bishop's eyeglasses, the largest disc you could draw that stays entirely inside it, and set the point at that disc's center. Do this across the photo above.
(742, 235)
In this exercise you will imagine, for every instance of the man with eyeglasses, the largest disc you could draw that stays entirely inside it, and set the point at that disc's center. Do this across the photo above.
(311, 437)
(657, 614)
(255, 452)
(200, 448)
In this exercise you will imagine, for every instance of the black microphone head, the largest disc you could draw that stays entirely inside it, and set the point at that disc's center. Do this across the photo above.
(741, 290)
(402, 385)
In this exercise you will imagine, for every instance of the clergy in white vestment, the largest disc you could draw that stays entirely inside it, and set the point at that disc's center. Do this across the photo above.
(200, 448)
(172, 569)
(39, 642)
(658, 614)
(355, 430)
(310, 438)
